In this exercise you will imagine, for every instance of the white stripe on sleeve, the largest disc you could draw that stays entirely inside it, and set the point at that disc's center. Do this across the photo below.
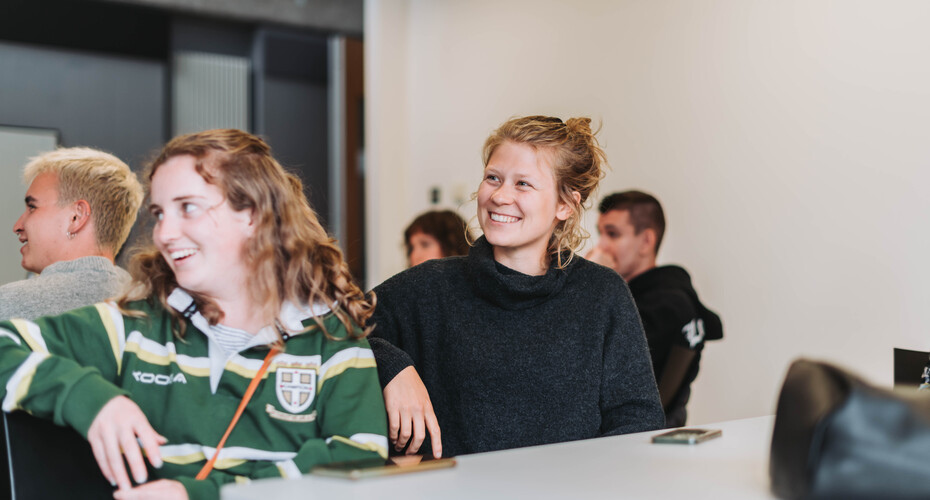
(120, 326)
(288, 469)
(7, 333)
(23, 374)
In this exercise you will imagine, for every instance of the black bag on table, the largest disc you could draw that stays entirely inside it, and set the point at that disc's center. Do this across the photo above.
(838, 437)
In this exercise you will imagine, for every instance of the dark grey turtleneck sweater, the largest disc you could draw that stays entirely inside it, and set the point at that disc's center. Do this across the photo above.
(512, 360)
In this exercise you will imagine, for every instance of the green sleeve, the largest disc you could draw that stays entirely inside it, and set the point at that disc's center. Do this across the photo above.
(61, 368)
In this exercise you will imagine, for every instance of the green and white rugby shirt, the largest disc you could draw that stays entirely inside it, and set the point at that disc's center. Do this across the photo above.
(320, 400)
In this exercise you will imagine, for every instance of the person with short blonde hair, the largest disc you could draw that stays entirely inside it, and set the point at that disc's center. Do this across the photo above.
(80, 207)
(109, 187)
(521, 342)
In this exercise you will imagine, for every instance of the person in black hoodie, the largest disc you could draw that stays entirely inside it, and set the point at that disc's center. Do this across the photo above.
(677, 324)
(521, 342)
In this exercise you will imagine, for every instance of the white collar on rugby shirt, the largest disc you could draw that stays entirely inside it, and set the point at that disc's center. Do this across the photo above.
(291, 318)
(292, 315)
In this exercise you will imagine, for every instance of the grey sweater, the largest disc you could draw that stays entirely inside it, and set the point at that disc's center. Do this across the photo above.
(62, 286)
(513, 360)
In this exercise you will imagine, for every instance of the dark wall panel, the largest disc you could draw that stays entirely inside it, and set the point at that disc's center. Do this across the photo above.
(86, 25)
(292, 106)
(297, 128)
(113, 103)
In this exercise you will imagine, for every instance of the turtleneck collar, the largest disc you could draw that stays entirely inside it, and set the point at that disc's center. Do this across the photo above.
(507, 288)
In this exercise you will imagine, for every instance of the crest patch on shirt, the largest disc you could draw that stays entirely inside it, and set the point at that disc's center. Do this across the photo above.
(295, 387)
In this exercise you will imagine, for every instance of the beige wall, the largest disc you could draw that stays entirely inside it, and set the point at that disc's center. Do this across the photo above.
(788, 141)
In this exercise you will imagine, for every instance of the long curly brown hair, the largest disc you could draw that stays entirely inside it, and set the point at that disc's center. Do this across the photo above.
(291, 257)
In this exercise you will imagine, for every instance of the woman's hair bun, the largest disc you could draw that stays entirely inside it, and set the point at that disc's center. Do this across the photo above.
(579, 125)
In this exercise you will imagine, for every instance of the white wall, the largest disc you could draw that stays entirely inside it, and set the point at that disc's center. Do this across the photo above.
(788, 141)
(17, 146)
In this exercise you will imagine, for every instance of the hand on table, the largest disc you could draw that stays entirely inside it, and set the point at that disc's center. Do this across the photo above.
(117, 431)
(410, 413)
(163, 489)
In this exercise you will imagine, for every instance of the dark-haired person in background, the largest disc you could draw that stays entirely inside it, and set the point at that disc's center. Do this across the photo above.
(434, 235)
(631, 226)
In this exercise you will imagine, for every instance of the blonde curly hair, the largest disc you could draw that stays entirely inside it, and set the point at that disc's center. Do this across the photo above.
(578, 163)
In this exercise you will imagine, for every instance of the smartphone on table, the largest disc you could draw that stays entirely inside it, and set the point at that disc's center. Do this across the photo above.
(686, 436)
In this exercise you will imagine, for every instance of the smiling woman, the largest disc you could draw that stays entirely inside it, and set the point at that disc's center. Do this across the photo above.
(241, 284)
(519, 206)
(200, 237)
(520, 342)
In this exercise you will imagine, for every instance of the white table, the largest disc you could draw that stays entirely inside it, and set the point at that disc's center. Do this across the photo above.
(732, 466)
